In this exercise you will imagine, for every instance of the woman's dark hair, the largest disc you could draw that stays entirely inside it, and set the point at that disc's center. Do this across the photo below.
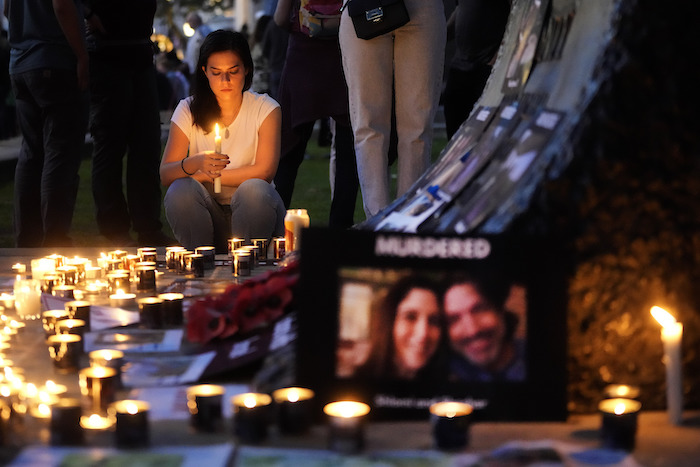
(204, 106)
(380, 362)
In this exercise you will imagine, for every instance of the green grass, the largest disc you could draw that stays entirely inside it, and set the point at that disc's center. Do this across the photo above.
(312, 191)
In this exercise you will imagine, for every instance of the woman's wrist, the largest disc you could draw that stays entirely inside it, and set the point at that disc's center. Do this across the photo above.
(182, 166)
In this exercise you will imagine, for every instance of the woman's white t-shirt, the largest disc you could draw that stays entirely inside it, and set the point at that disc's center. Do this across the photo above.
(239, 140)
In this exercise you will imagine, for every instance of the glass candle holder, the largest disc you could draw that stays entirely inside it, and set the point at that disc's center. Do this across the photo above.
(145, 278)
(79, 309)
(234, 244)
(131, 423)
(48, 282)
(148, 253)
(251, 416)
(171, 257)
(261, 244)
(204, 402)
(279, 248)
(27, 294)
(98, 386)
(150, 312)
(294, 409)
(64, 291)
(172, 311)
(619, 423)
(209, 254)
(124, 300)
(625, 391)
(65, 351)
(450, 424)
(346, 432)
(64, 427)
(109, 358)
(242, 263)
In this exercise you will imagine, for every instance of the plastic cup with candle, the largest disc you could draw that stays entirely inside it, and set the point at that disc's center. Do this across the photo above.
(132, 425)
(251, 416)
(217, 149)
(346, 432)
(294, 409)
(619, 423)
(672, 338)
(450, 424)
(204, 402)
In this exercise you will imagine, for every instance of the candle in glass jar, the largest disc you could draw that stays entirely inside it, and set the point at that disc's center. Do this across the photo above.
(120, 299)
(98, 385)
(132, 425)
(251, 416)
(294, 409)
(65, 426)
(346, 426)
(204, 403)
(450, 424)
(619, 423)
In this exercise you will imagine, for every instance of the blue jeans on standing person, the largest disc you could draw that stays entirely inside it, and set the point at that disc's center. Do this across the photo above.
(197, 219)
(52, 116)
(124, 119)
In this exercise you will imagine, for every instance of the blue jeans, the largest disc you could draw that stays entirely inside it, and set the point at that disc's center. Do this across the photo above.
(52, 116)
(124, 120)
(256, 211)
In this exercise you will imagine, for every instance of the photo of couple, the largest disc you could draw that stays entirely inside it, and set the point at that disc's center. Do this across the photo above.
(402, 325)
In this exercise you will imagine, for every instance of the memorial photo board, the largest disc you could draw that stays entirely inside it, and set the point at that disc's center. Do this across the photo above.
(402, 321)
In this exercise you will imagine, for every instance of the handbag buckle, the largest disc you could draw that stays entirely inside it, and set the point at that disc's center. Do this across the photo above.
(374, 15)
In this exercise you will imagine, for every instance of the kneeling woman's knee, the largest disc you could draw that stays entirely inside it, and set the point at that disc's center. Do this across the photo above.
(182, 194)
(252, 191)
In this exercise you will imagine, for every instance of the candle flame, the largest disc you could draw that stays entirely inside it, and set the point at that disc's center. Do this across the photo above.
(94, 419)
(664, 318)
(293, 395)
(5, 391)
(44, 410)
(619, 409)
(249, 402)
(132, 408)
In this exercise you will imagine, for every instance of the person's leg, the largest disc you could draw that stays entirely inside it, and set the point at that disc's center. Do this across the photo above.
(65, 123)
(290, 161)
(368, 67)
(110, 93)
(257, 211)
(193, 214)
(29, 228)
(419, 49)
(346, 182)
(143, 157)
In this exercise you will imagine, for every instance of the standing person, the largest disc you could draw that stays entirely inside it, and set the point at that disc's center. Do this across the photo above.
(312, 87)
(410, 61)
(124, 119)
(482, 332)
(50, 74)
(248, 205)
(478, 29)
(201, 31)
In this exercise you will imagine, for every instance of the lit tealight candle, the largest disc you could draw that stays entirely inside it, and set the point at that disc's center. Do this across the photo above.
(621, 390)
(120, 299)
(672, 336)
(131, 423)
(204, 404)
(250, 416)
(96, 422)
(346, 433)
(294, 409)
(217, 149)
(54, 388)
(7, 300)
(450, 423)
(619, 423)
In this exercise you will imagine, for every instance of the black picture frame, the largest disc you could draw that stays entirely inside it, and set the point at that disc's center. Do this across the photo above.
(534, 266)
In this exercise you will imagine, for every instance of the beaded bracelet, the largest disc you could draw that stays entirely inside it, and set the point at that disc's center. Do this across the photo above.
(182, 166)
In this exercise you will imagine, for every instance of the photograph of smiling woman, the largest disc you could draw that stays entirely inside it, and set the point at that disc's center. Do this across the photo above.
(405, 332)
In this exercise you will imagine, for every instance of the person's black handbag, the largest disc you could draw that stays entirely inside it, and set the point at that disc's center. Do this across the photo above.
(373, 18)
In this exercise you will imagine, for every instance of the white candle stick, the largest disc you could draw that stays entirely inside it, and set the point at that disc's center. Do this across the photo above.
(671, 336)
(217, 149)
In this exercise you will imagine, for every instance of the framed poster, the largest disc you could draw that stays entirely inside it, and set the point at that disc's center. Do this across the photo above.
(401, 321)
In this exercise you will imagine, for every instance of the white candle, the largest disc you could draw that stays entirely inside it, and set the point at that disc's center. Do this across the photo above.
(217, 149)
(671, 336)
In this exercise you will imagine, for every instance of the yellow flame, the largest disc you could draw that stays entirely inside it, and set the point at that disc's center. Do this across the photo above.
(664, 318)
(293, 395)
(249, 402)
(132, 408)
(619, 409)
